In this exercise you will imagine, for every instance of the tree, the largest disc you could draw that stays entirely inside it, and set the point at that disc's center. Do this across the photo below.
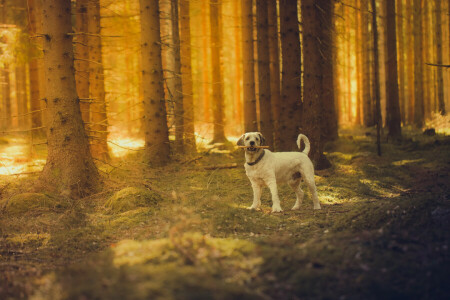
(439, 75)
(291, 105)
(99, 118)
(5, 79)
(367, 105)
(265, 108)
(155, 123)
(393, 118)
(177, 91)
(418, 65)
(217, 84)
(82, 58)
(69, 169)
(317, 58)
(248, 69)
(186, 76)
(274, 68)
(376, 76)
(401, 61)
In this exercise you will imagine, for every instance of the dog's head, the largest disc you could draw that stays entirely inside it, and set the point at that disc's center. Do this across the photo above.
(250, 140)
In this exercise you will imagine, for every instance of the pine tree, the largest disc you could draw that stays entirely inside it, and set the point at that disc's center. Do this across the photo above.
(69, 169)
(155, 123)
(439, 75)
(418, 65)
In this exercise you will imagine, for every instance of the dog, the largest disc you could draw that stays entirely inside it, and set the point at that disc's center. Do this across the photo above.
(264, 167)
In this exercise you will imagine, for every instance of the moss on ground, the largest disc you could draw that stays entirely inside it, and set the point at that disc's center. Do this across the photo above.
(382, 232)
(32, 202)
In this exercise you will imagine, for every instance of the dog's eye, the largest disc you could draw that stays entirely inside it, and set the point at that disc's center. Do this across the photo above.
(257, 139)
(247, 138)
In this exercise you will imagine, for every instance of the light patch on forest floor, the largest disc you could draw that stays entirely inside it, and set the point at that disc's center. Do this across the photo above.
(383, 230)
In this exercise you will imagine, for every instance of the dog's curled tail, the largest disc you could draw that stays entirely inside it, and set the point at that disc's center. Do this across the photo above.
(305, 140)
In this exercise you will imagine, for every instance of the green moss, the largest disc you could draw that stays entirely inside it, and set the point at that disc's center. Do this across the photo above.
(131, 198)
(33, 202)
(28, 240)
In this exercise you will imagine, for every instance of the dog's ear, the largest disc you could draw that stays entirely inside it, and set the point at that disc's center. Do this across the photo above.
(263, 139)
(240, 142)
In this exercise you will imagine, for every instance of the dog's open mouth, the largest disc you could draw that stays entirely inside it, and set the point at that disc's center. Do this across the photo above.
(251, 149)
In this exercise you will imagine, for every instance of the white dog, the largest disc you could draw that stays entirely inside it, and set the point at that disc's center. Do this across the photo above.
(264, 167)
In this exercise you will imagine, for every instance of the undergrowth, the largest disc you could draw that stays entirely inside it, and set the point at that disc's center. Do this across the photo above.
(183, 232)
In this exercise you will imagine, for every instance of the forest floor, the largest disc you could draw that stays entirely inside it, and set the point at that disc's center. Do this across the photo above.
(183, 232)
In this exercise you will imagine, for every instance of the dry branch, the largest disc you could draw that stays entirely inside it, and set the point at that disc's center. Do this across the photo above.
(259, 147)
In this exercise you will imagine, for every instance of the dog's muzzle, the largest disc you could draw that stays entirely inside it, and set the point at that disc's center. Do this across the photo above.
(251, 149)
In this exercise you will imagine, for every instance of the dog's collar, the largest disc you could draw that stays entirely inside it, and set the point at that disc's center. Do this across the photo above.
(257, 160)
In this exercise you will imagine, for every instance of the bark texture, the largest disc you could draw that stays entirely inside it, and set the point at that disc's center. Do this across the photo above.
(248, 69)
(265, 108)
(418, 65)
(439, 71)
(69, 169)
(393, 118)
(291, 105)
(156, 131)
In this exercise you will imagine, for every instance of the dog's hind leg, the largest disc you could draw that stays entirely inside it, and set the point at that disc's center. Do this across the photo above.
(257, 189)
(295, 185)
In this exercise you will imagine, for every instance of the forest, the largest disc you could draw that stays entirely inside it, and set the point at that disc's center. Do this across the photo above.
(122, 174)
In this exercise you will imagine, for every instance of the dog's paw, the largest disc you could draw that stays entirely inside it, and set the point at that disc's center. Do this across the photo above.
(254, 208)
(276, 209)
(317, 206)
(295, 207)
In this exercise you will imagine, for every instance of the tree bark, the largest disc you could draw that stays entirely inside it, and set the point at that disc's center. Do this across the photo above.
(177, 92)
(316, 16)
(291, 104)
(186, 76)
(217, 84)
(205, 62)
(69, 169)
(82, 58)
(265, 108)
(99, 118)
(401, 61)
(238, 110)
(275, 96)
(248, 70)
(367, 95)
(393, 118)
(409, 104)
(5, 78)
(418, 65)
(156, 131)
(438, 49)
(376, 76)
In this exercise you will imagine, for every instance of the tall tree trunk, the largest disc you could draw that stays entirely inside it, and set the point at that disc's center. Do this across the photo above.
(409, 103)
(217, 84)
(248, 69)
(427, 90)
(358, 41)
(70, 169)
(34, 15)
(238, 110)
(291, 104)
(99, 118)
(156, 131)
(186, 76)
(439, 71)
(349, 66)
(367, 95)
(82, 58)
(393, 118)
(316, 16)
(177, 92)
(376, 76)
(401, 61)
(418, 65)
(5, 78)
(265, 108)
(275, 96)
(206, 62)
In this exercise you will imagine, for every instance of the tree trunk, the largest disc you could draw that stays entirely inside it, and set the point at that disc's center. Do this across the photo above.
(376, 76)
(439, 71)
(401, 61)
(205, 62)
(5, 78)
(99, 118)
(275, 97)
(393, 118)
(82, 59)
(217, 84)
(70, 169)
(156, 131)
(291, 104)
(409, 103)
(186, 76)
(317, 58)
(248, 70)
(418, 65)
(177, 92)
(367, 95)
(34, 11)
(265, 108)
(238, 110)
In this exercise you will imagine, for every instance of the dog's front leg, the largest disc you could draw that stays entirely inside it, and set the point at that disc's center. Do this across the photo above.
(272, 184)
(257, 189)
